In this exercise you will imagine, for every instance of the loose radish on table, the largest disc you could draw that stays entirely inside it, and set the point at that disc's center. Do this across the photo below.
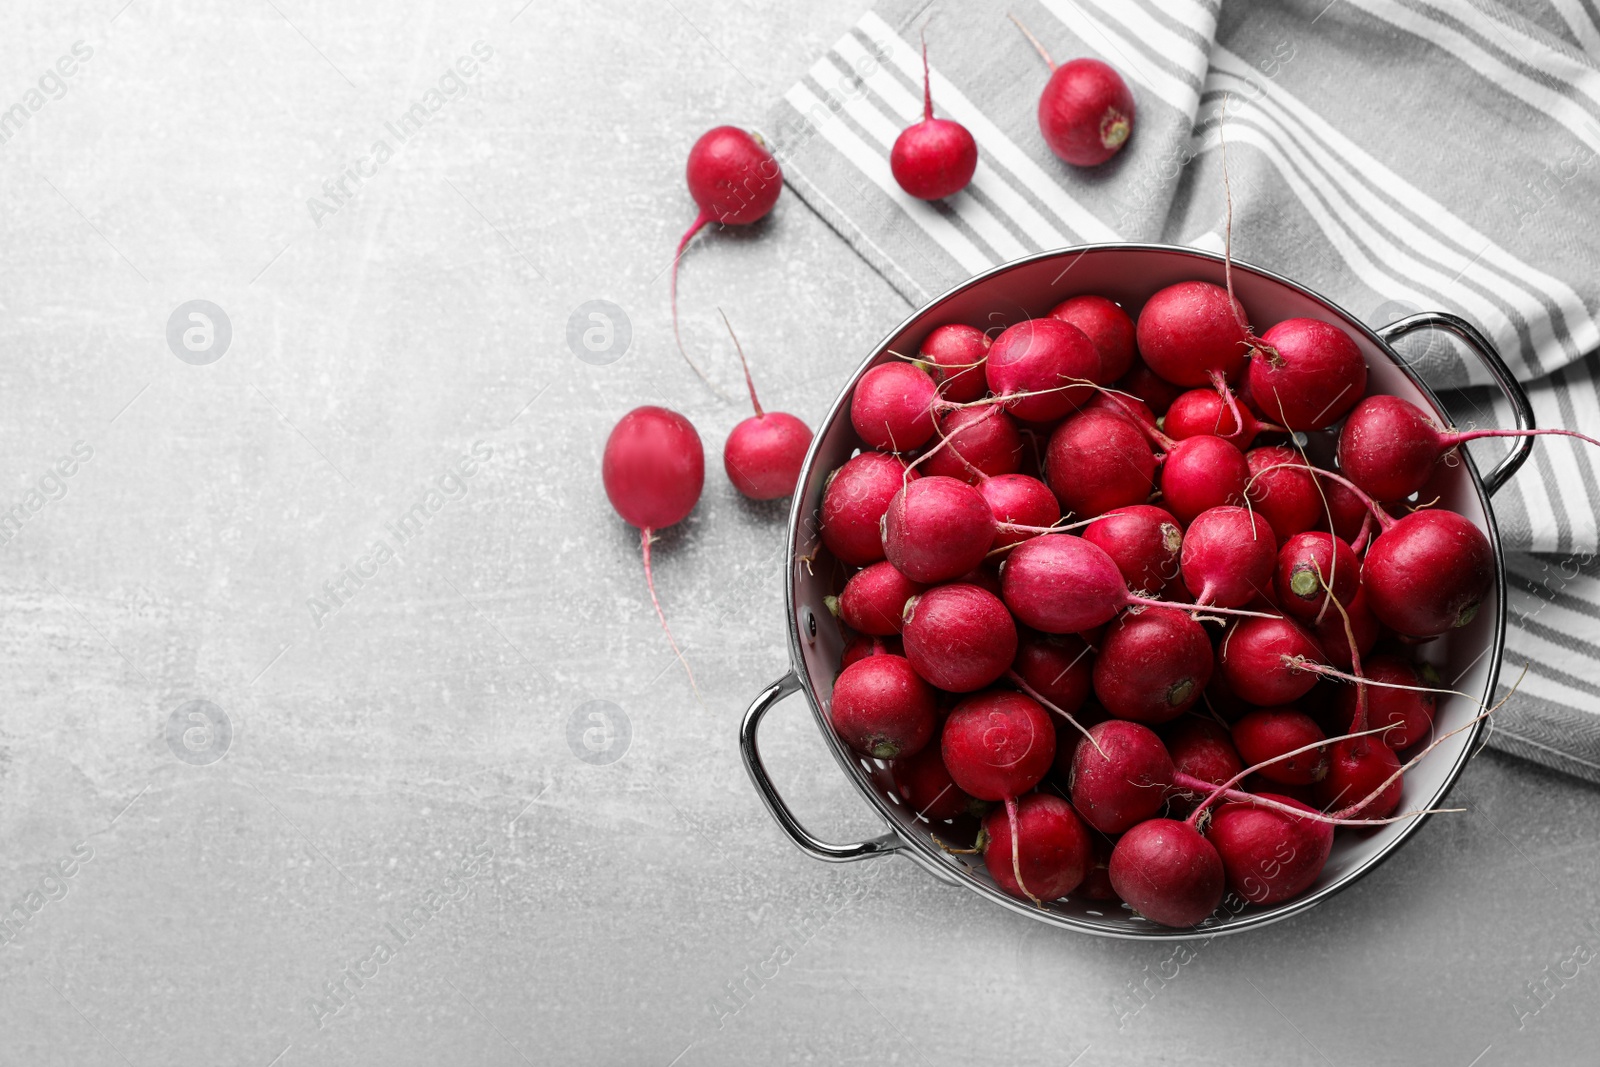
(653, 469)
(1086, 111)
(734, 181)
(934, 158)
(764, 453)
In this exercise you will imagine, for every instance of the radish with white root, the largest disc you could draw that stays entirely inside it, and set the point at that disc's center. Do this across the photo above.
(1389, 447)
(653, 469)
(764, 453)
(734, 181)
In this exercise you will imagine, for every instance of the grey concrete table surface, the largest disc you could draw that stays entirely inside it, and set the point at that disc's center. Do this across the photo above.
(258, 811)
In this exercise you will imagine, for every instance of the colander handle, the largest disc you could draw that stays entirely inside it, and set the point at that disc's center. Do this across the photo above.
(1521, 409)
(811, 846)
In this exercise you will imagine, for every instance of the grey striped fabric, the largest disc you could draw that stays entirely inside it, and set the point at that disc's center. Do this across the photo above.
(1395, 155)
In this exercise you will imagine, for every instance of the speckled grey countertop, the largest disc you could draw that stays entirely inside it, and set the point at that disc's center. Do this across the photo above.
(389, 831)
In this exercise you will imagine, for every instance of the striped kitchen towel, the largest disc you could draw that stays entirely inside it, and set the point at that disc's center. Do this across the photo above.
(1396, 155)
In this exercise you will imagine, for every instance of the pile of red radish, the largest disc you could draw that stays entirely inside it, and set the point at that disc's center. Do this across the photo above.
(1112, 619)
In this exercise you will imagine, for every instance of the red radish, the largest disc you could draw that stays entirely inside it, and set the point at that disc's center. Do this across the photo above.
(653, 469)
(1203, 749)
(1153, 665)
(1105, 324)
(764, 453)
(1409, 711)
(1306, 374)
(1286, 497)
(1053, 849)
(1202, 411)
(1121, 778)
(1020, 504)
(1259, 660)
(1147, 385)
(1267, 733)
(1086, 111)
(874, 599)
(892, 407)
(1389, 446)
(882, 708)
(1197, 473)
(960, 638)
(1269, 855)
(998, 744)
(1200, 473)
(1062, 584)
(1144, 542)
(1168, 872)
(1356, 768)
(936, 529)
(985, 438)
(1331, 635)
(1191, 334)
(1127, 407)
(925, 785)
(735, 181)
(1097, 461)
(860, 646)
(1309, 562)
(1227, 557)
(1032, 364)
(1057, 667)
(954, 354)
(854, 502)
(935, 158)
(1428, 573)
